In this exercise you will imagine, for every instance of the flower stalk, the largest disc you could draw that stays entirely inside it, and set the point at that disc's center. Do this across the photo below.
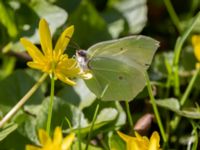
(130, 120)
(92, 125)
(50, 110)
(155, 109)
(23, 100)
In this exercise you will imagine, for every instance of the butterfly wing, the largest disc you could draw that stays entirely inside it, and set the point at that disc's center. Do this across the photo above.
(113, 80)
(118, 67)
(130, 50)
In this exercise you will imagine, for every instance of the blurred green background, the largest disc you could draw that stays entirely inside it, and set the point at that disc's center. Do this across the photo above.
(94, 21)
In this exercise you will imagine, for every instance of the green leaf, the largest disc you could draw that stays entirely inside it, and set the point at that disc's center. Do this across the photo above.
(115, 142)
(192, 113)
(29, 14)
(54, 15)
(15, 141)
(115, 21)
(7, 19)
(188, 56)
(75, 146)
(69, 6)
(173, 105)
(15, 86)
(106, 114)
(170, 103)
(90, 27)
(39, 113)
(110, 116)
(186, 23)
(7, 129)
(161, 65)
(78, 95)
(104, 122)
(8, 64)
(84, 130)
(133, 12)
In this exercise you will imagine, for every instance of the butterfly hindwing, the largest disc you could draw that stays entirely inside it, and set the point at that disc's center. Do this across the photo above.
(113, 80)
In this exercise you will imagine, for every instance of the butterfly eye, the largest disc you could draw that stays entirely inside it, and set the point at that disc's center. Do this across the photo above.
(82, 53)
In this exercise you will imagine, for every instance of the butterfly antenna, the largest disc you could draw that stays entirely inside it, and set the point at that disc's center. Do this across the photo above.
(74, 44)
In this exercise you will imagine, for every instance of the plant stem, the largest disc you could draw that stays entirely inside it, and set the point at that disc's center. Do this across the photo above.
(23, 100)
(169, 77)
(155, 109)
(129, 114)
(189, 88)
(48, 128)
(196, 135)
(92, 125)
(173, 14)
(185, 96)
(178, 47)
(79, 131)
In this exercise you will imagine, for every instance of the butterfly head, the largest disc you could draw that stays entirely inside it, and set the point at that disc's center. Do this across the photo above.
(82, 58)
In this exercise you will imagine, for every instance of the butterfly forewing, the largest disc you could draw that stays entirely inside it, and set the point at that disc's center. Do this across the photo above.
(137, 49)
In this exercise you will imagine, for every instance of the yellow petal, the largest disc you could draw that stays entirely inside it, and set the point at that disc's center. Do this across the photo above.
(71, 73)
(33, 51)
(196, 45)
(65, 79)
(63, 40)
(131, 142)
(125, 137)
(195, 40)
(68, 141)
(51, 146)
(57, 139)
(154, 141)
(134, 145)
(197, 52)
(44, 137)
(45, 37)
(30, 147)
(138, 136)
(68, 67)
(39, 66)
(143, 140)
(197, 65)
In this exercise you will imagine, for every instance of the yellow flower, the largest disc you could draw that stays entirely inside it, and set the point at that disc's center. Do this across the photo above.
(53, 61)
(141, 143)
(196, 45)
(57, 143)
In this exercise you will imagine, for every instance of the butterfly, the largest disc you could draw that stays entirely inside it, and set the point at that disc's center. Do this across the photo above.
(118, 66)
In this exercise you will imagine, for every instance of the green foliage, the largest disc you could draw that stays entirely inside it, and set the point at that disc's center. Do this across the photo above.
(15, 86)
(174, 78)
(87, 19)
(173, 104)
(7, 19)
(5, 131)
(115, 142)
